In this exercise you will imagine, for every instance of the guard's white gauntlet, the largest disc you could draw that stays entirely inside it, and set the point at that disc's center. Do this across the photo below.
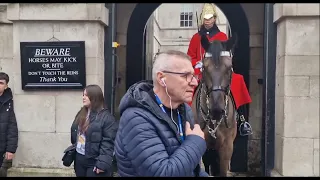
(199, 65)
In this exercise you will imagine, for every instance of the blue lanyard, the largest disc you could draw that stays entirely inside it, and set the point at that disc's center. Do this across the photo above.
(179, 117)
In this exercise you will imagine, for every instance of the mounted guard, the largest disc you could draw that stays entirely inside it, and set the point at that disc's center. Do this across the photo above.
(208, 34)
(207, 27)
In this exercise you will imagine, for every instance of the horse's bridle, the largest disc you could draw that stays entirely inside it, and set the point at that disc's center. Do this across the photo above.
(207, 91)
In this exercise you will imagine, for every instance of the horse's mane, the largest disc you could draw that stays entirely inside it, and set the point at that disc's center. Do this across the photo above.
(215, 49)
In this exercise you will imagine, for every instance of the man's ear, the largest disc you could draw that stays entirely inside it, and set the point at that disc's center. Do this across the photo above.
(160, 78)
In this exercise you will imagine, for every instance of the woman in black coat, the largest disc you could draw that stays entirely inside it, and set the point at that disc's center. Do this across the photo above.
(93, 133)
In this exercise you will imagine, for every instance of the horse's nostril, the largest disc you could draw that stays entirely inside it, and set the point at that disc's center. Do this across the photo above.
(217, 112)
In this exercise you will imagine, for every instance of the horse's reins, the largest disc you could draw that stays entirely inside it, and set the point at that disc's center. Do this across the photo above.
(207, 117)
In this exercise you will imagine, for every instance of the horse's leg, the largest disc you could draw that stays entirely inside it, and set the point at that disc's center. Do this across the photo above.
(207, 169)
(205, 160)
(214, 163)
(225, 154)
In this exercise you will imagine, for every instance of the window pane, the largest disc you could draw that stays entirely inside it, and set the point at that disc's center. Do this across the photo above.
(190, 16)
(181, 16)
(186, 17)
(186, 24)
(181, 23)
(190, 23)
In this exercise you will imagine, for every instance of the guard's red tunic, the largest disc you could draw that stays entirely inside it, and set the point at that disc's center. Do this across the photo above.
(238, 87)
(195, 48)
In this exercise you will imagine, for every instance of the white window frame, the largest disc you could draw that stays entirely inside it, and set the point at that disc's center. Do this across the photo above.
(186, 15)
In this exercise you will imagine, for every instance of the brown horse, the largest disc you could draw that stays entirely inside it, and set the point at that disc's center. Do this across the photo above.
(213, 106)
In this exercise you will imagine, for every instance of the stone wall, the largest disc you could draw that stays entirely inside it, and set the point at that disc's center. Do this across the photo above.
(6, 43)
(124, 11)
(44, 117)
(255, 15)
(297, 89)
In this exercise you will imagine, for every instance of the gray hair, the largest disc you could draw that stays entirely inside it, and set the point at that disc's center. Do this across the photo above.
(164, 61)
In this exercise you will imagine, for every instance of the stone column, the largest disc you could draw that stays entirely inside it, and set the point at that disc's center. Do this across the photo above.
(255, 15)
(44, 117)
(6, 43)
(124, 11)
(297, 89)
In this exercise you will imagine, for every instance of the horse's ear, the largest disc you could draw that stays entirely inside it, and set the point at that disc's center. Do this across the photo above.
(205, 42)
(231, 43)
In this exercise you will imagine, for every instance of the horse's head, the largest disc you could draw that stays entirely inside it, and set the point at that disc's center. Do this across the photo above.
(217, 72)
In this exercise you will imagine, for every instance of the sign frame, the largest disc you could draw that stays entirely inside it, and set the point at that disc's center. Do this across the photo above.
(77, 50)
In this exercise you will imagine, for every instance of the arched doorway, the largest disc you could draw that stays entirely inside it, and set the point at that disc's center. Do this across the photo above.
(135, 58)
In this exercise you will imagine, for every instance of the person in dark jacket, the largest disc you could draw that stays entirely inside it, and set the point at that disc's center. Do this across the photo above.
(157, 135)
(93, 133)
(8, 123)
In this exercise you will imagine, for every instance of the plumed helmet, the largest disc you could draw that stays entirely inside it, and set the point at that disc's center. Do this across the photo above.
(208, 11)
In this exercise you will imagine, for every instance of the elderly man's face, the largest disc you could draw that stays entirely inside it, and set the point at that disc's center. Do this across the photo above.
(208, 23)
(180, 80)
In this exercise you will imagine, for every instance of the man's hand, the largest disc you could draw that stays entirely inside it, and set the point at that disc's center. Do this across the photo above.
(9, 156)
(97, 170)
(196, 130)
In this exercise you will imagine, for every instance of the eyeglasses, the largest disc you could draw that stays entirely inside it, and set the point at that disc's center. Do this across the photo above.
(189, 76)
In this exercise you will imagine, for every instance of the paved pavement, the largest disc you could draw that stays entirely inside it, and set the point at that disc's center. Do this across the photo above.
(37, 172)
(28, 174)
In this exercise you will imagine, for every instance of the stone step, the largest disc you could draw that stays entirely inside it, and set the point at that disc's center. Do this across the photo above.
(40, 172)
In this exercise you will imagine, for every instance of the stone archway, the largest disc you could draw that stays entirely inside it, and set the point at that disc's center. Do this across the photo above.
(140, 15)
(135, 59)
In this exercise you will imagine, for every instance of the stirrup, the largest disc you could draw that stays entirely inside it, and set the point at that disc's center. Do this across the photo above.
(245, 129)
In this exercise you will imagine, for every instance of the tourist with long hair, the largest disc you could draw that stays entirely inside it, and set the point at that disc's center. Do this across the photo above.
(93, 133)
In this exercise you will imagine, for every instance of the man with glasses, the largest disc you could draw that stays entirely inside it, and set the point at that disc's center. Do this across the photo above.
(157, 135)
